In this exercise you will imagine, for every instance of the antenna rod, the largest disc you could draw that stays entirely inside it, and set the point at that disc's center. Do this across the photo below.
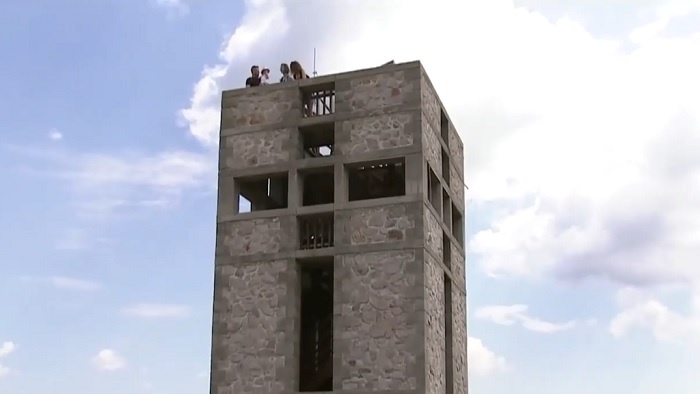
(315, 73)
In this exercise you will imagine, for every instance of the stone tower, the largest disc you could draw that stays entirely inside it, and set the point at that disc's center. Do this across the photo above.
(340, 259)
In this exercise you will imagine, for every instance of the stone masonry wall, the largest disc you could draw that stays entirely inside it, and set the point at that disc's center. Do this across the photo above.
(366, 135)
(256, 149)
(258, 108)
(434, 327)
(458, 266)
(456, 149)
(430, 104)
(253, 347)
(432, 233)
(431, 147)
(378, 333)
(459, 340)
(388, 223)
(248, 237)
(457, 187)
(376, 91)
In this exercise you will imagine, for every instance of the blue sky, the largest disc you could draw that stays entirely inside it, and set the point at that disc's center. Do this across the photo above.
(579, 123)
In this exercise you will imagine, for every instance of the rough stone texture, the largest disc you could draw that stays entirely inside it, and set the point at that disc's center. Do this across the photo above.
(376, 133)
(459, 340)
(431, 146)
(377, 91)
(430, 103)
(434, 327)
(387, 223)
(377, 329)
(432, 233)
(456, 150)
(255, 149)
(458, 266)
(457, 187)
(247, 237)
(260, 107)
(253, 343)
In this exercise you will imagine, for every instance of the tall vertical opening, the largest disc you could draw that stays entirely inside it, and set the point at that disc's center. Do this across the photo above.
(316, 336)
(449, 373)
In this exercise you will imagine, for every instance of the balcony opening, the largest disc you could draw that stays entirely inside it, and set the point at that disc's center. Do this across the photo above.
(317, 140)
(445, 167)
(446, 250)
(318, 186)
(434, 190)
(449, 373)
(446, 205)
(262, 193)
(316, 231)
(444, 126)
(318, 100)
(377, 180)
(316, 327)
(457, 225)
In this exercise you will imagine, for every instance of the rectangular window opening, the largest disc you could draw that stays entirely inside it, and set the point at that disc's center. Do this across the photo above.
(316, 327)
(449, 373)
(317, 140)
(444, 126)
(376, 180)
(446, 205)
(316, 231)
(318, 186)
(446, 251)
(445, 166)
(318, 100)
(457, 225)
(434, 190)
(263, 193)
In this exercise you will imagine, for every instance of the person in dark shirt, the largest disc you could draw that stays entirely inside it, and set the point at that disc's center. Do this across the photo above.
(254, 78)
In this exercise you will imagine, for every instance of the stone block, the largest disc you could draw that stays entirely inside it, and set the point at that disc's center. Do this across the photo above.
(365, 135)
(383, 224)
(457, 187)
(430, 103)
(377, 91)
(431, 146)
(432, 233)
(456, 150)
(253, 336)
(379, 327)
(434, 326)
(256, 149)
(458, 266)
(459, 341)
(258, 109)
(255, 236)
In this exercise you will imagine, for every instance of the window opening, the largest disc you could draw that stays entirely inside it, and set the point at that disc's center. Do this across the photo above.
(318, 186)
(444, 126)
(446, 250)
(446, 205)
(449, 373)
(376, 180)
(262, 193)
(316, 336)
(457, 225)
(317, 140)
(318, 100)
(316, 231)
(434, 190)
(445, 166)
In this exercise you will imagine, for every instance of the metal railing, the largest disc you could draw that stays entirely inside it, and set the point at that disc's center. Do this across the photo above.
(316, 232)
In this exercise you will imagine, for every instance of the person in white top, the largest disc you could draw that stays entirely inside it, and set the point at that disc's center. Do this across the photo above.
(265, 76)
(286, 76)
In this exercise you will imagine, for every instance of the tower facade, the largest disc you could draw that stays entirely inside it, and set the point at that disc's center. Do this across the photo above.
(340, 257)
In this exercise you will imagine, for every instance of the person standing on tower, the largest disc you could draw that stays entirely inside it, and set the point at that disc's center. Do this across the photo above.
(254, 78)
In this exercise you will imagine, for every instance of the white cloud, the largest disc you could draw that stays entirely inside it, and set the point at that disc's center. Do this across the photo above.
(108, 360)
(641, 310)
(6, 348)
(66, 283)
(4, 371)
(482, 360)
(510, 314)
(174, 8)
(157, 311)
(55, 135)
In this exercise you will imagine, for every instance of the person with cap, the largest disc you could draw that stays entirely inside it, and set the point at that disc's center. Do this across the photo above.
(254, 78)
